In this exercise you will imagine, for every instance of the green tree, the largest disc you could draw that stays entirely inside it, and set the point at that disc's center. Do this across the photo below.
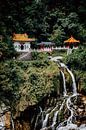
(77, 60)
(7, 50)
(38, 17)
(58, 36)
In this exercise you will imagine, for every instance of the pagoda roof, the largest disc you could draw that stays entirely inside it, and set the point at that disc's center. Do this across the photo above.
(22, 37)
(71, 40)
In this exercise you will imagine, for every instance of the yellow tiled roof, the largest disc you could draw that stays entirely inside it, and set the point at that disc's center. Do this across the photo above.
(22, 37)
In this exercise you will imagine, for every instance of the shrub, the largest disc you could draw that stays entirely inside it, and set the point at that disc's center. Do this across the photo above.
(77, 60)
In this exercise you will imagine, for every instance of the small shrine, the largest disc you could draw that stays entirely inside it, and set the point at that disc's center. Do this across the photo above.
(46, 46)
(71, 42)
(21, 42)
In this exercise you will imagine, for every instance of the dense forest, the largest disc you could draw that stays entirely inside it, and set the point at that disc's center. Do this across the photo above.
(45, 19)
(34, 89)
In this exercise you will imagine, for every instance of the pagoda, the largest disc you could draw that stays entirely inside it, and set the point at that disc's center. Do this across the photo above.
(21, 42)
(71, 42)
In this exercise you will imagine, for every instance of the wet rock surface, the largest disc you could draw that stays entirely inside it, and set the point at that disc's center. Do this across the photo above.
(27, 119)
(5, 117)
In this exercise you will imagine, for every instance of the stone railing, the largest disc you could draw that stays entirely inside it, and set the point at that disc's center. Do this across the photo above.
(49, 49)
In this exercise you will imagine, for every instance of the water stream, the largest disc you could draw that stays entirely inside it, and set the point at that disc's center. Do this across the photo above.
(64, 84)
(67, 123)
(2, 123)
(45, 121)
(73, 82)
(42, 115)
(37, 118)
(52, 113)
(56, 114)
(12, 122)
(69, 104)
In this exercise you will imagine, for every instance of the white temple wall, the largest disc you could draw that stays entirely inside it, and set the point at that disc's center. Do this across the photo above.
(18, 48)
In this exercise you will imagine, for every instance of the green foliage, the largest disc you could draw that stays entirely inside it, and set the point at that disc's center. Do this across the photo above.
(81, 78)
(67, 25)
(44, 19)
(58, 36)
(27, 82)
(77, 59)
(7, 50)
(39, 55)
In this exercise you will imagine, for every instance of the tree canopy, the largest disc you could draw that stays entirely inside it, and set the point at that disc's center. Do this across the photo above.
(44, 19)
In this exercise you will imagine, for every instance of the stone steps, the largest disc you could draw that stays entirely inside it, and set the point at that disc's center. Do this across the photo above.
(25, 56)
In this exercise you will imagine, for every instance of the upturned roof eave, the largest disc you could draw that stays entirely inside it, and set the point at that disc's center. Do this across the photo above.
(71, 40)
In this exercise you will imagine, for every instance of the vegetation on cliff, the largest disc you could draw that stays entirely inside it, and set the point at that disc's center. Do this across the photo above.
(77, 62)
(27, 82)
(7, 50)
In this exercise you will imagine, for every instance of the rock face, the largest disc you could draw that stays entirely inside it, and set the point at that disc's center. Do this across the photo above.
(8, 120)
(5, 117)
(81, 110)
(22, 126)
(39, 83)
(26, 119)
(73, 127)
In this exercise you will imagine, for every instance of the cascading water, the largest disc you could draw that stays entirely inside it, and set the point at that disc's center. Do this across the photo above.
(2, 123)
(12, 123)
(67, 122)
(54, 119)
(37, 118)
(73, 80)
(72, 76)
(64, 84)
(36, 122)
(41, 112)
(70, 109)
(45, 121)
(68, 102)
(55, 115)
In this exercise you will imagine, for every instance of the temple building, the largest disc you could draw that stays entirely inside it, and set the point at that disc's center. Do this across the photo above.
(71, 42)
(21, 42)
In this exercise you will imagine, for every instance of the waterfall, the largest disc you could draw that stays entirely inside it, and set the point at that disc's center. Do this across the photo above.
(73, 80)
(72, 76)
(45, 121)
(12, 123)
(64, 84)
(36, 121)
(55, 115)
(37, 118)
(67, 122)
(41, 112)
(2, 122)
(68, 103)
(54, 120)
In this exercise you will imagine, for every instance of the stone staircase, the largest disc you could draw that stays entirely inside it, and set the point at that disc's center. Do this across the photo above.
(24, 56)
